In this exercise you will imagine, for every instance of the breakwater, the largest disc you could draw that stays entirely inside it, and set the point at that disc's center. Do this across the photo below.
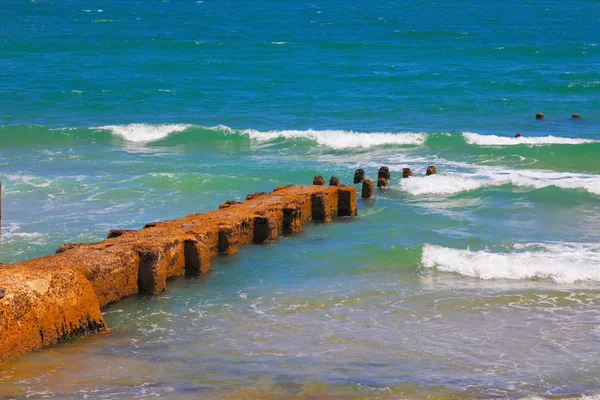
(60, 296)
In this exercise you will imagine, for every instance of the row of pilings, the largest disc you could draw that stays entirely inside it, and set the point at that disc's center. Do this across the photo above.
(60, 296)
(383, 178)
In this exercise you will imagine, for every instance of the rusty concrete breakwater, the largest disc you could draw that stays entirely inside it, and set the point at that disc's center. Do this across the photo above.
(60, 296)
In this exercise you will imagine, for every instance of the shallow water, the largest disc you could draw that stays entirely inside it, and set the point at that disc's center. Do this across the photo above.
(481, 281)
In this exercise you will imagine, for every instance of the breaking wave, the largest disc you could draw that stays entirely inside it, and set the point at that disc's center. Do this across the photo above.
(453, 183)
(339, 139)
(142, 133)
(562, 263)
(494, 140)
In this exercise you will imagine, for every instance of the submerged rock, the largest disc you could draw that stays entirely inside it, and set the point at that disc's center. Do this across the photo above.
(518, 135)
(334, 181)
(539, 115)
(430, 170)
(318, 180)
(406, 172)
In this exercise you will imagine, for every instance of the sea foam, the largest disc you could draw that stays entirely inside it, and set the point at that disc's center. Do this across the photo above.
(452, 183)
(494, 140)
(142, 133)
(562, 263)
(339, 139)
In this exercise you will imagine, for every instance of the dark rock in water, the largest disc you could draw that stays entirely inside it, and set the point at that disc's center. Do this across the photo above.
(384, 172)
(229, 203)
(359, 175)
(367, 189)
(539, 115)
(334, 181)
(518, 135)
(67, 246)
(150, 225)
(430, 170)
(576, 115)
(2, 292)
(382, 182)
(406, 172)
(114, 233)
(318, 180)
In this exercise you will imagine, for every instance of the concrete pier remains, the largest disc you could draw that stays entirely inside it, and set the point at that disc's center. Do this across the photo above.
(59, 297)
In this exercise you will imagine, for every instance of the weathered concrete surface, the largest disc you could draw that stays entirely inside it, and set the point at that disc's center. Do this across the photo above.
(44, 304)
(59, 296)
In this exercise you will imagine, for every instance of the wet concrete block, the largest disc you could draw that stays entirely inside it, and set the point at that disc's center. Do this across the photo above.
(324, 205)
(246, 231)
(267, 226)
(292, 218)
(347, 201)
(152, 270)
(197, 256)
(367, 189)
(174, 255)
(111, 268)
(44, 304)
(229, 236)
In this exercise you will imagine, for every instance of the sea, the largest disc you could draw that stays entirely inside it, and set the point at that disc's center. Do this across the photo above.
(482, 281)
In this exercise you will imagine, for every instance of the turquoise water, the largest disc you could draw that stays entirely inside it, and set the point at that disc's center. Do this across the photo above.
(481, 281)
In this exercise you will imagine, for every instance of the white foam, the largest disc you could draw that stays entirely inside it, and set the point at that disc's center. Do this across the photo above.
(440, 184)
(339, 139)
(562, 263)
(452, 183)
(493, 140)
(31, 180)
(141, 133)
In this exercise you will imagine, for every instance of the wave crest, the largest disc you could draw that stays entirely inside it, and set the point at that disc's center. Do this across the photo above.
(494, 140)
(143, 133)
(562, 263)
(339, 139)
(490, 177)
